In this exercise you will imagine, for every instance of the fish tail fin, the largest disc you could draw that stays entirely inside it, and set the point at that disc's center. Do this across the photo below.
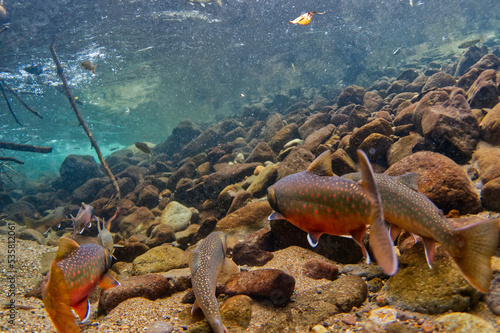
(56, 299)
(476, 245)
(379, 238)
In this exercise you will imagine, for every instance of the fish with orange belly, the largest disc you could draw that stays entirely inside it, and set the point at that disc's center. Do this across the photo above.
(318, 202)
(471, 247)
(74, 274)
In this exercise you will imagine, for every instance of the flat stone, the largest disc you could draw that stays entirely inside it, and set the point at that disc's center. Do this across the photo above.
(159, 259)
(464, 323)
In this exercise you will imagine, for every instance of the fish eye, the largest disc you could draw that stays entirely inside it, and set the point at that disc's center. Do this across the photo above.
(271, 197)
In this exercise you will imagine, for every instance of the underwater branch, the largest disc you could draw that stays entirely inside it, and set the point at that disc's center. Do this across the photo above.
(93, 142)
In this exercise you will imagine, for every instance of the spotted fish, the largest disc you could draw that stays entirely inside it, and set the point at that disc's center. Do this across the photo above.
(83, 219)
(470, 247)
(206, 263)
(74, 274)
(317, 202)
(52, 220)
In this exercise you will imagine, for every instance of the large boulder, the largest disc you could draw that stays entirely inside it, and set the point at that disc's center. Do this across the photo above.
(75, 170)
(181, 135)
(442, 180)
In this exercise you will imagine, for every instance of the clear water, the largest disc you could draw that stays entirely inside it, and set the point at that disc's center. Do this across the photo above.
(159, 62)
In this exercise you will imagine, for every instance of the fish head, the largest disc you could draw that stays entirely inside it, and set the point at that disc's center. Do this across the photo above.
(271, 197)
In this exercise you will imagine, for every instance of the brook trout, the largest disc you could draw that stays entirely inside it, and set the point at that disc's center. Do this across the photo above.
(318, 202)
(470, 247)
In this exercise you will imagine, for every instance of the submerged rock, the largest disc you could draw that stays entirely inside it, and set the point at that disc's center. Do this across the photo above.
(418, 288)
(176, 216)
(159, 259)
(246, 220)
(150, 286)
(463, 323)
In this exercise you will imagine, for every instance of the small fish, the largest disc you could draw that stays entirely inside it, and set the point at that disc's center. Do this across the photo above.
(470, 247)
(203, 2)
(52, 220)
(144, 148)
(468, 43)
(318, 202)
(206, 263)
(83, 219)
(293, 67)
(411, 3)
(74, 274)
(304, 19)
(104, 238)
(396, 51)
(88, 66)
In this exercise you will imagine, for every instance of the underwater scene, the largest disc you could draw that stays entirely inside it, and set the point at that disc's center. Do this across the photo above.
(250, 166)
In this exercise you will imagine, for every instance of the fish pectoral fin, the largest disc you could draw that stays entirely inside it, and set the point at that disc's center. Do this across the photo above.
(82, 309)
(107, 282)
(66, 247)
(276, 216)
(313, 238)
(394, 231)
(229, 267)
(357, 235)
(430, 250)
(322, 165)
(195, 307)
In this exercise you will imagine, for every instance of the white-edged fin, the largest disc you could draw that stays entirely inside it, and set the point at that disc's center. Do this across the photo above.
(276, 216)
(379, 238)
(430, 250)
(322, 165)
(357, 235)
(195, 307)
(410, 180)
(313, 238)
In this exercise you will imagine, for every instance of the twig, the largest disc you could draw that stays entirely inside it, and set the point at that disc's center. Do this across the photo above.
(11, 159)
(8, 103)
(20, 147)
(93, 142)
(29, 108)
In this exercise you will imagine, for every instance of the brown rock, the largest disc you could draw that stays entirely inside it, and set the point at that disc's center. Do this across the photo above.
(246, 220)
(148, 197)
(297, 160)
(162, 233)
(397, 87)
(450, 128)
(467, 59)
(227, 175)
(130, 222)
(159, 259)
(287, 133)
(264, 179)
(273, 125)
(240, 199)
(380, 126)
(372, 101)
(439, 80)
(131, 249)
(262, 153)
(203, 169)
(404, 147)
(272, 284)
(358, 117)
(318, 137)
(342, 163)
(487, 159)
(319, 269)
(376, 146)
(483, 93)
(405, 116)
(255, 249)
(236, 311)
(351, 95)
(150, 286)
(313, 123)
(207, 139)
(490, 126)
(417, 84)
(187, 170)
(441, 180)
(490, 194)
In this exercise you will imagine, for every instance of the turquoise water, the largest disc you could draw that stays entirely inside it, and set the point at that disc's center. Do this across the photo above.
(159, 62)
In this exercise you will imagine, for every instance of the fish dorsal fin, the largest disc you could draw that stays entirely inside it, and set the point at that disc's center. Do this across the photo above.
(322, 165)
(410, 180)
(66, 247)
(194, 260)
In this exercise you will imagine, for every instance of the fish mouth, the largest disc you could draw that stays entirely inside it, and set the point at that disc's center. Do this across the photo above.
(271, 197)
